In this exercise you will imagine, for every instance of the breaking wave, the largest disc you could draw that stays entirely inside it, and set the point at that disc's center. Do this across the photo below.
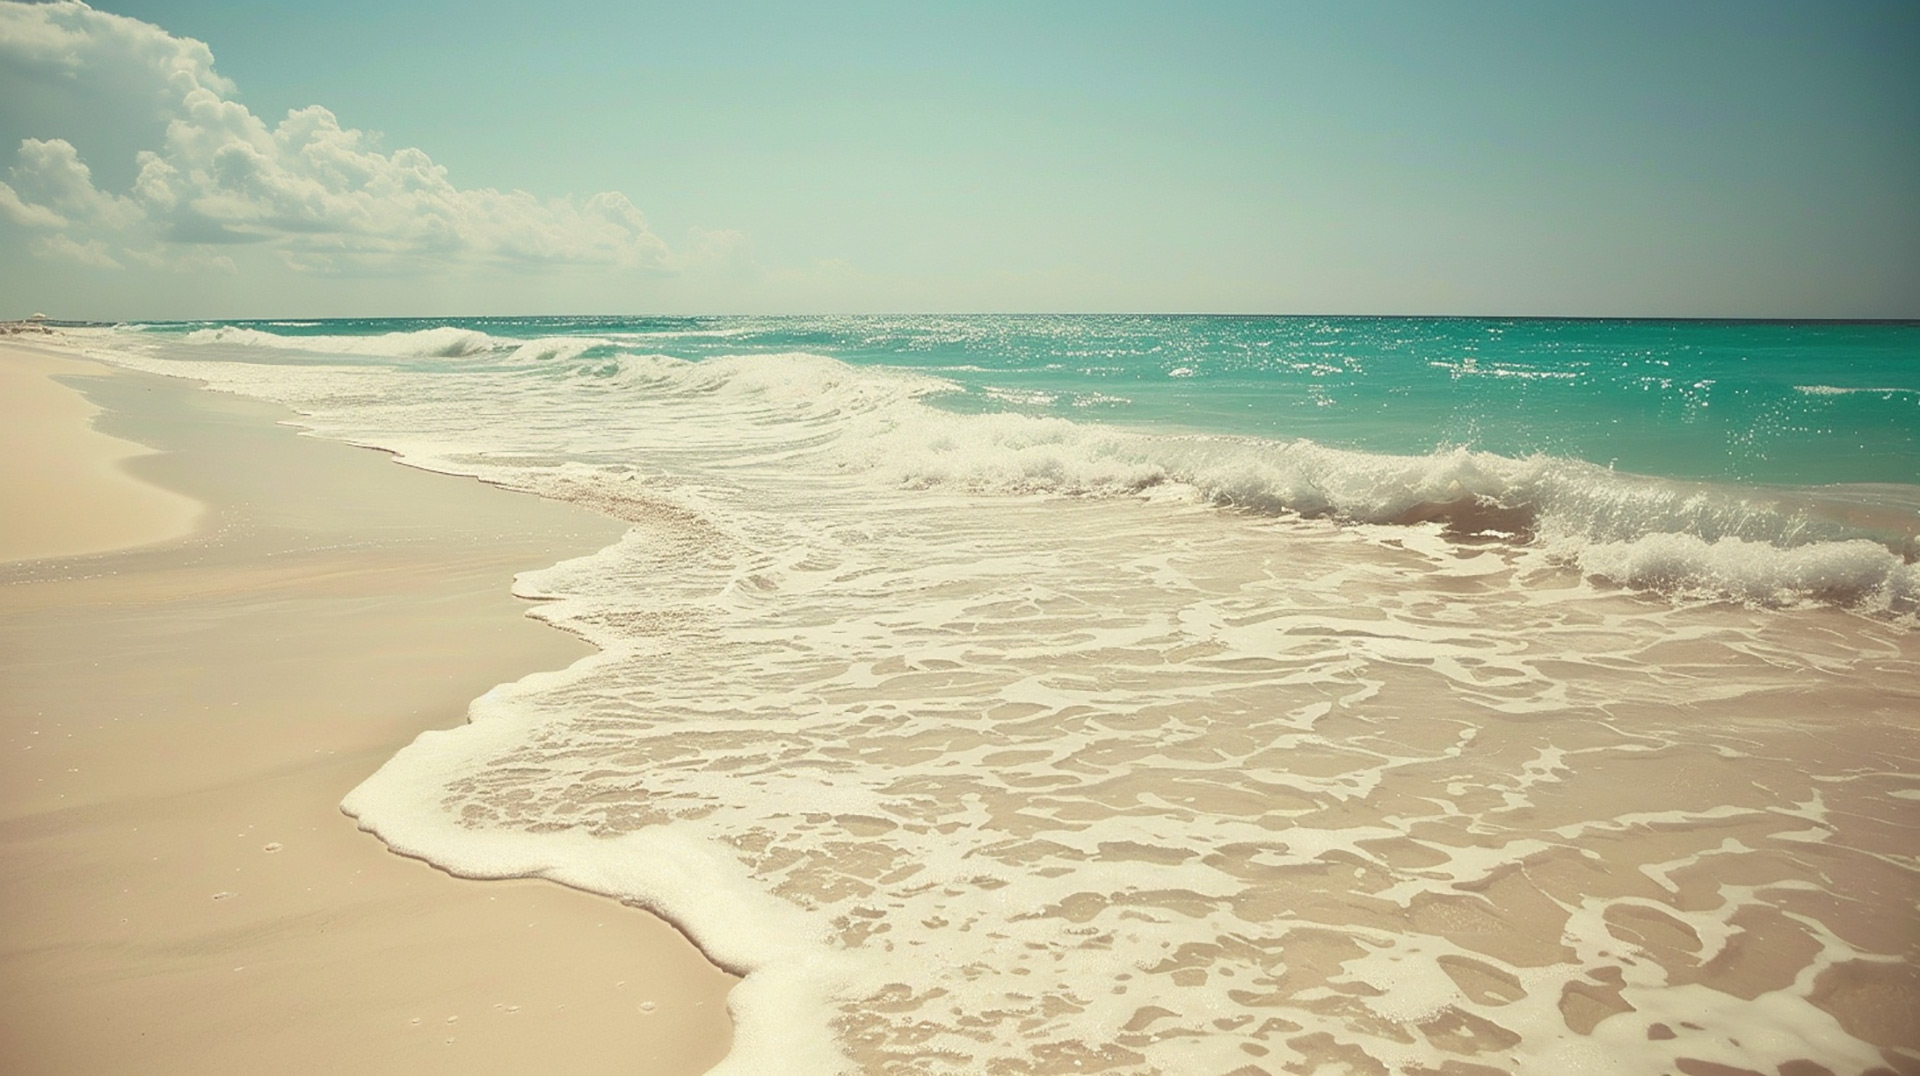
(444, 342)
(886, 426)
(1761, 545)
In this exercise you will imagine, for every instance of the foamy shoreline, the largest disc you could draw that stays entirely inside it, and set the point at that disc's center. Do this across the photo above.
(967, 780)
(182, 717)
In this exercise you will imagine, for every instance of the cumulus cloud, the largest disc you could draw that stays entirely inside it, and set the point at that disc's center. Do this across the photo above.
(325, 197)
(25, 213)
(147, 66)
(51, 178)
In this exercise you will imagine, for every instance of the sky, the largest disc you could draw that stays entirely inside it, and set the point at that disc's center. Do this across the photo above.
(184, 159)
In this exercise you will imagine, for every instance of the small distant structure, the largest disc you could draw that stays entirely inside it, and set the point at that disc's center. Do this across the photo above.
(38, 323)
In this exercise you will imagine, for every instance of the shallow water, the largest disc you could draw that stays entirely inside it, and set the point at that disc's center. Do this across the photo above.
(990, 740)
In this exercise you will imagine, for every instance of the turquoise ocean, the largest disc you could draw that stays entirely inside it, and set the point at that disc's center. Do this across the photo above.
(1193, 694)
(1756, 402)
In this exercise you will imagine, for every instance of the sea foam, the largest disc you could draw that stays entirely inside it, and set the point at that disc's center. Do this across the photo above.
(887, 427)
(1638, 531)
(445, 342)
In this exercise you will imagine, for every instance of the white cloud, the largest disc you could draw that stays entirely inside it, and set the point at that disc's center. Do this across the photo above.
(51, 174)
(71, 40)
(325, 197)
(93, 252)
(25, 215)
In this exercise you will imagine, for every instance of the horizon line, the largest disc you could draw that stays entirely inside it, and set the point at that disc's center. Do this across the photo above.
(55, 322)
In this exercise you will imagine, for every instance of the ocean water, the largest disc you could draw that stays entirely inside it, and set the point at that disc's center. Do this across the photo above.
(1194, 694)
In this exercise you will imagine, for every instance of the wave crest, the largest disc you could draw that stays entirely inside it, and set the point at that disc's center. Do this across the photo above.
(445, 342)
(1850, 573)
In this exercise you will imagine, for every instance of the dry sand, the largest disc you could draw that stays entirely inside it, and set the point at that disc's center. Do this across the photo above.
(61, 487)
(178, 722)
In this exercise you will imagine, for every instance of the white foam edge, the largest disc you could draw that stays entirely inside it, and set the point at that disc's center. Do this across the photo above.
(783, 1007)
(444, 341)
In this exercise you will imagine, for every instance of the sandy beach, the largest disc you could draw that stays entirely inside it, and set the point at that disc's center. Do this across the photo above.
(61, 480)
(211, 629)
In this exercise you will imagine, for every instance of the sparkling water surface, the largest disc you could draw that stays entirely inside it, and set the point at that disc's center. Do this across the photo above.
(1786, 403)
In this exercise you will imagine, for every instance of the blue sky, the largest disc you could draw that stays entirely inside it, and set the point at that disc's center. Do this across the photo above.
(1689, 159)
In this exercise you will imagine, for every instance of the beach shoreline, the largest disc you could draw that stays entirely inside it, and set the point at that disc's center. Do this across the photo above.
(979, 777)
(61, 477)
(197, 672)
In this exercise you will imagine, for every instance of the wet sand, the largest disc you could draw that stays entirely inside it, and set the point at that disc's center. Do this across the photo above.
(179, 720)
